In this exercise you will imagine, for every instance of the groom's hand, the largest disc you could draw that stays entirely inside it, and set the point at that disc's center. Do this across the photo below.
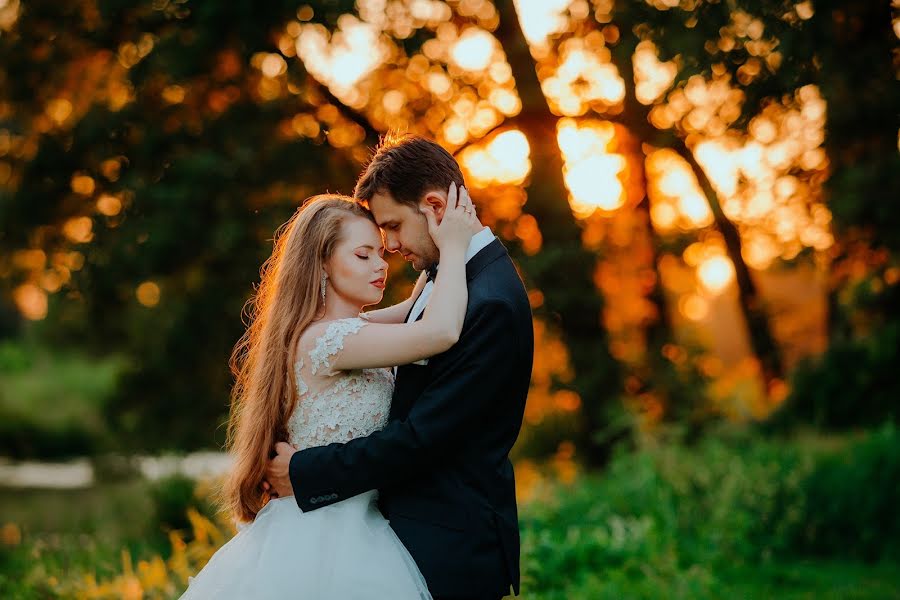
(277, 482)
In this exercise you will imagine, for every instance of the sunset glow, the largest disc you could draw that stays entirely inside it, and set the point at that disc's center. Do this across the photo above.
(473, 50)
(31, 301)
(504, 160)
(676, 198)
(591, 172)
(541, 18)
(652, 77)
(715, 273)
(342, 59)
(584, 78)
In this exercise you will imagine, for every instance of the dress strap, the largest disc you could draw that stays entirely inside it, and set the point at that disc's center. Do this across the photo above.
(332, 341)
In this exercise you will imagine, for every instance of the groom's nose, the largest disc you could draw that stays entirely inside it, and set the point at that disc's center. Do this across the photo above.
(391, 244)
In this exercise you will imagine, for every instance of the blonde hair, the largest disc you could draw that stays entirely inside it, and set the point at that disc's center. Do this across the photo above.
(285, 303)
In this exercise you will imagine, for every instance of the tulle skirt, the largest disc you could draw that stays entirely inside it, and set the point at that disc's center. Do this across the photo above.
(343, 551)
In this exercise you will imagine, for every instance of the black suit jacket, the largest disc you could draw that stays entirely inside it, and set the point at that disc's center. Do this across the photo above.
(441, 463)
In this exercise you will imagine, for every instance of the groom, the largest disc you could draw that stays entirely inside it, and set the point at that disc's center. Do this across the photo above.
(441, 464)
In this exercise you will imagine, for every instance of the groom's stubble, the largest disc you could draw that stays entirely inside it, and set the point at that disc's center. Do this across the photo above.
(412, 240)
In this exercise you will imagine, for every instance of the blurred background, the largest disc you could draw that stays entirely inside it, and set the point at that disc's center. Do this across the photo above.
(701, 196)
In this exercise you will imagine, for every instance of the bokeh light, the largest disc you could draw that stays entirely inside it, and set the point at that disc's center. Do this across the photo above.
(502, 160)
(592, 173)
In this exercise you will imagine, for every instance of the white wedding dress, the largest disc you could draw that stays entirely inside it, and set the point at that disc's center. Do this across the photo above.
(343, 551)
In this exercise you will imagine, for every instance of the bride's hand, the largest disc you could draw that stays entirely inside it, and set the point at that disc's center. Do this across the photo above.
(459, 223)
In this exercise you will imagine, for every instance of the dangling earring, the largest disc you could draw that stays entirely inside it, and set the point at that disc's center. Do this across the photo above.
(324, 279)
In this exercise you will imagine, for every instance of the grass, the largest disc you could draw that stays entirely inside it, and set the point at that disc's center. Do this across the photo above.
(722, 519)
(814, 580)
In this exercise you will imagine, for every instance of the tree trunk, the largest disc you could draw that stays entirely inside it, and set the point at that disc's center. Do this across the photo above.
(636, 117)
(762, 341)
(564, 269)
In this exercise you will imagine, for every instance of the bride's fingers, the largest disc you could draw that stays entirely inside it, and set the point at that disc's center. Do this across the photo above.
(461, 197)
(432, 220)
(452, 195)
(468, 199)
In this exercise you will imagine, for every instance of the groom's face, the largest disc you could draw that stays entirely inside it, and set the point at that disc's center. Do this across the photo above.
(405, 230)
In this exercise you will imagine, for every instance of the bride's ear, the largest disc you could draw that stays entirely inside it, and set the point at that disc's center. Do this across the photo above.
(437, 202)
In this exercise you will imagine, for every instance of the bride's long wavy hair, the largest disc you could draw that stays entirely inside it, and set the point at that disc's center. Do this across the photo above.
(286, 301)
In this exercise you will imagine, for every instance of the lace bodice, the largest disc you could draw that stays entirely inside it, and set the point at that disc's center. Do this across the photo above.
(336, 406)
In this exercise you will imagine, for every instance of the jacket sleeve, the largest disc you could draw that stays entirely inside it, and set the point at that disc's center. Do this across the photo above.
(471, 373)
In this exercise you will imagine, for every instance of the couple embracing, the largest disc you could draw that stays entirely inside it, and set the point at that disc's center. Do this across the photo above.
(371, 448)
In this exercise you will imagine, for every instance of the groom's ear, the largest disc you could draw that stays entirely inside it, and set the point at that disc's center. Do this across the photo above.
(436, 201)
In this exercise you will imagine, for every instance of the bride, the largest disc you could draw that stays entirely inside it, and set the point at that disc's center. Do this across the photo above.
(313, 369)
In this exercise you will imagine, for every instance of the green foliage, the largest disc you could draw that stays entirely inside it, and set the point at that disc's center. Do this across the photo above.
(854, 383)
(52, 401)
(203, 185)
(70, 532)
(172, 496)
(852, 500)
(728, 517)
(694, 522)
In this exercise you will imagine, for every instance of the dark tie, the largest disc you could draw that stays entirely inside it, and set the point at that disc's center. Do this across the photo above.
(431, 272)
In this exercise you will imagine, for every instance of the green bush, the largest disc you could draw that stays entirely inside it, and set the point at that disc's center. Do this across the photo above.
(52, 402)
(852, 501)
(172, 496)
(687, 521)
(855, 383)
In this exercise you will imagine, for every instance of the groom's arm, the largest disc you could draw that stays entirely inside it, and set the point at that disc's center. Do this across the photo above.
(472, 372)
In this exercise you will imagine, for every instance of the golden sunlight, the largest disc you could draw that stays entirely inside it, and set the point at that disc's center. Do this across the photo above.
(715, 272)
(148, 294)
(82, 184)
(651, 76)
(473, 49)
(109, 205)
(676, 198)
(694, 306)
(31, 301)
(343, 59)
(503, 160)
(584, 77)
(79, 229)
(591, 172)
(9, 13)
(766, 180)
(541, 19)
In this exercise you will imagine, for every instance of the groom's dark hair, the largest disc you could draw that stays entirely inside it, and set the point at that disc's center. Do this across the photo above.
(407, 166)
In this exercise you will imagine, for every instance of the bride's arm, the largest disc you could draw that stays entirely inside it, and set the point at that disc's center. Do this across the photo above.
(387, 345)
(396, 313)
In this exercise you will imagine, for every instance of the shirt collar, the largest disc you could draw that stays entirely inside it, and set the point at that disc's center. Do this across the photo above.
(478, 242)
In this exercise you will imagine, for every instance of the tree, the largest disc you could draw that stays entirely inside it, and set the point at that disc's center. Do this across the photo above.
(133, 108)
